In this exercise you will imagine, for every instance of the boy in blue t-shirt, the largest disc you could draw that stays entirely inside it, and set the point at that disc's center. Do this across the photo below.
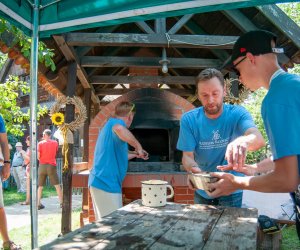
(216, 133)
(111, 160)
(254, 58)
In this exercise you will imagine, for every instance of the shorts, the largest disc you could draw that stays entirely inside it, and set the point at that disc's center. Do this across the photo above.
(47, 170)
(105, 203)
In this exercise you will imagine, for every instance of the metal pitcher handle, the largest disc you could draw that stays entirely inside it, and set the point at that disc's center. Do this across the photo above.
(172, 191)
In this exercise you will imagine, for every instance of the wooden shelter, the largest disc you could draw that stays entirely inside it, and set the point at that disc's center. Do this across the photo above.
(131, 55)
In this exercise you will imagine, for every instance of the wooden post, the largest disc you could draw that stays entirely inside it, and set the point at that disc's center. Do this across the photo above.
(87, 102)
(67, 175)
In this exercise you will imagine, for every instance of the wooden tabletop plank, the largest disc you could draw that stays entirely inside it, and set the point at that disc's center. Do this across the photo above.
(236, 229)
(192, 230)
(174, 226)
(146, 230)
(90, 235)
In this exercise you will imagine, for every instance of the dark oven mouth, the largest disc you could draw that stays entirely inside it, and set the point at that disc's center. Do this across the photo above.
(159, 143)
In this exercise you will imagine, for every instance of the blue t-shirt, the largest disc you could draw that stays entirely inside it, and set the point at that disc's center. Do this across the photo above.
(2, 125)
(281, 115)
(208, 138)
(110, 159)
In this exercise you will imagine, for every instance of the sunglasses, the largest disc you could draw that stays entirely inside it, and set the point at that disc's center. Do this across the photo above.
(234, 66)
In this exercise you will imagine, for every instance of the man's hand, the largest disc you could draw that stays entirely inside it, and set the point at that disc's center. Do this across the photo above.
(247, 169)
(226, 185)
(143, 154)
(5, 171)
(236, 153)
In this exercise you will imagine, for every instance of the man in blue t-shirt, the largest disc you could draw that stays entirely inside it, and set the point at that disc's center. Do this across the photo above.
(111, 160)
(4, 174)
(254, 58)
(216, 134)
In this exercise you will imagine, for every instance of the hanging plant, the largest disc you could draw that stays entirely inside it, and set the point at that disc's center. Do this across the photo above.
(230, 98)
(58, 119)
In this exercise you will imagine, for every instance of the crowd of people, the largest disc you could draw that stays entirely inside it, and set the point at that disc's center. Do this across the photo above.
(214, 137)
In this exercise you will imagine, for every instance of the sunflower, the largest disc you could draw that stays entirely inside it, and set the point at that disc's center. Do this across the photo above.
(58, 118)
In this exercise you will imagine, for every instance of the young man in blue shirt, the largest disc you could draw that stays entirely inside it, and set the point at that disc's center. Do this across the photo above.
(254, 58)
(216, 133)
(111, 160)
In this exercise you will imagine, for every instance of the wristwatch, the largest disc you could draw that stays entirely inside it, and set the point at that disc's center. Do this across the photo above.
(7, 161)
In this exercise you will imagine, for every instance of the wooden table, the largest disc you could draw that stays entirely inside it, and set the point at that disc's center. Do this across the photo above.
(175, 226)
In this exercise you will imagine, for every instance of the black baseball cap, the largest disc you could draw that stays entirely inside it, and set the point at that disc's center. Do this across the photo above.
(257, 42)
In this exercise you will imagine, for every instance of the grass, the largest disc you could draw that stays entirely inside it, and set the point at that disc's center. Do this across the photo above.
(48, 230)
(11, 196)
(290, 240)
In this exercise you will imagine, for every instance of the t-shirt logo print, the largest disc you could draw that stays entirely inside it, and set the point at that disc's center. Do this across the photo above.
(216, 135)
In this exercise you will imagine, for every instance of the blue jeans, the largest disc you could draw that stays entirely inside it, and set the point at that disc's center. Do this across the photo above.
(233, 200)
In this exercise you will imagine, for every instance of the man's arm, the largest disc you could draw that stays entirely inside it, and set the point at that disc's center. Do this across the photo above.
(236, 151)
(5, 151)
(125, 135)
(284, 178)
(189, 163)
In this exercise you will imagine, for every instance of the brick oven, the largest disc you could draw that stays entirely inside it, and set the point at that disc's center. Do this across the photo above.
(156, 126)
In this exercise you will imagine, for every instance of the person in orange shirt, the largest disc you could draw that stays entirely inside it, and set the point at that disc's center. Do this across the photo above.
(47, 149)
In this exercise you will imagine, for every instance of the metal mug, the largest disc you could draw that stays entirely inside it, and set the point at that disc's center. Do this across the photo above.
(154, 193)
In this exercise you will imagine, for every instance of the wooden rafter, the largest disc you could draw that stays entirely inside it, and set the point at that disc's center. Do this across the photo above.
(113, 61)
(169, 80)
(150, 40)
(70, 55)
(285, 24)
(180, 92)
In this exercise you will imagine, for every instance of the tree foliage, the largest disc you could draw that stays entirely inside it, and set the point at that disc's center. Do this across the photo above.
(293, 11)
(12, 36)
(9, 108)
(253, 105)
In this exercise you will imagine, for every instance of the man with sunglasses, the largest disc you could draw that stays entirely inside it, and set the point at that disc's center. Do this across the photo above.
(111, 160)
(254, 57)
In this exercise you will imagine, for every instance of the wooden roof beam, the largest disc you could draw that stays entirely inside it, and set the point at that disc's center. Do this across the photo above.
(81, 51)
(194, 28)
(169, 80)
(70, 55)
(180, 23)
(114, 61)
(239, 20)
(244, 24)
(145, 27)
(150, 40)
(285, 24)
(180, 92)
